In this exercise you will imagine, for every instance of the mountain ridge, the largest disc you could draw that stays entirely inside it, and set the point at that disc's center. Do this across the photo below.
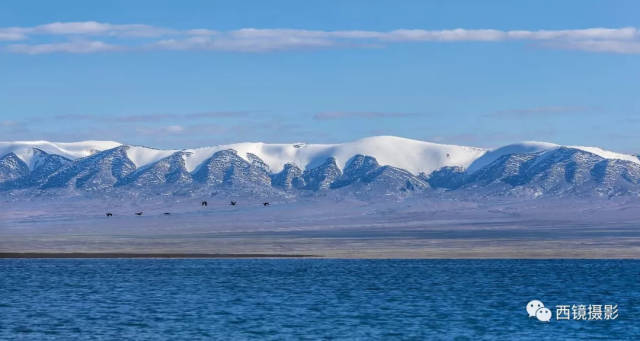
(143, 155)
(370, 167)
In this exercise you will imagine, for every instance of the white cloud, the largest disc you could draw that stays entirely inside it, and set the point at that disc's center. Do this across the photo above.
(90, 28)
(243, 44)
(11, 34)
(68, 47)
(168, 130)
(626, 33)
(623, 40)
(613, 40)
(336, 115)
(614, 46)
(444, 35)
(201, 32)
(175, 129)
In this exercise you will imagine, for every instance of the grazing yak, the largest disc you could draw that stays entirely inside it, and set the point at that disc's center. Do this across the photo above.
(138, 213)
(233, 203)
(265, 204)
(109, 214)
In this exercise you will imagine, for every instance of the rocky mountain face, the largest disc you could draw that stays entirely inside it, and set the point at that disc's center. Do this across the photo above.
(12, 168)
(97, 172)
(321, 177)
(555, 172)
(15, 173)
(561, 171)
(226, 169)
(289, 178)
(365, 175)
(170, 170)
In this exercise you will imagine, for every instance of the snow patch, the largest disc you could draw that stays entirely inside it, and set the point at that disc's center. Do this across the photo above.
(142, 156)
(608, 154)
(412, 155)
(534, 147)
(73, 150)
(516, 148)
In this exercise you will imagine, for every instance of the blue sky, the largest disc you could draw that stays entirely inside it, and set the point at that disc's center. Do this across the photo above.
(194, 73)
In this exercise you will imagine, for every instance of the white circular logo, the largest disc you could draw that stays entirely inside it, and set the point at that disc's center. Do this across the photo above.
(532, 306)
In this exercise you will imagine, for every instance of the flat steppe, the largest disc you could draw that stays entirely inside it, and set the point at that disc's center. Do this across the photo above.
(411, 228)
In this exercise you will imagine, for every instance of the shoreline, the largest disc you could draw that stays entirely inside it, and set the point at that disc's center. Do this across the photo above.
(111, 255)
(117, 255)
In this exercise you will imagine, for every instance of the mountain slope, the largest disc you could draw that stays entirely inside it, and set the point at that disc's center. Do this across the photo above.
(413, 155)
(97, 172)
(387, 166)
(226, 168)
(168, 170)
(12, 168)
(25, 150)
(559, 171)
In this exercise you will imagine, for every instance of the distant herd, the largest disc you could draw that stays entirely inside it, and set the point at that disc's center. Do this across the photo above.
(203, 204)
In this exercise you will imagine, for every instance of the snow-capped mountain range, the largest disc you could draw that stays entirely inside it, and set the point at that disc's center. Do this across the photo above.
(370, 167)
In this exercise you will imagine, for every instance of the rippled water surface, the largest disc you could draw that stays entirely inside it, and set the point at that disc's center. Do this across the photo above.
(155, 299)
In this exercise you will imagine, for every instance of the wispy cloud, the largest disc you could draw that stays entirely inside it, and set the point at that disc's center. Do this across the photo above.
(7, 35)
(218, 114)
(8, 123)
(92, 36)
(336, 115)
(81, 46)
(174, 129)
(544, 110)
(614, 46)
(160, 129)
(155, 117)
(11, 129)
(86, 28)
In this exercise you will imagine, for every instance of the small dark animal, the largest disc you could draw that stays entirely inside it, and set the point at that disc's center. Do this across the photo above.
(204, 203)
(109, 214)
(265, 204)
(233, 203)
(167, 213)
(138, 213)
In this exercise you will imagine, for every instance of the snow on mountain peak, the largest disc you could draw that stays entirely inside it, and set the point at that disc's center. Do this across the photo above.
(607, 154)
(515, 148)
(412, 155)
(534, 147)
(71, 150)
(142, 156)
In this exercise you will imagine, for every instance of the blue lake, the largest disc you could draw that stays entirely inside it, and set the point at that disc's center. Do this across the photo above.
(236, 299)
